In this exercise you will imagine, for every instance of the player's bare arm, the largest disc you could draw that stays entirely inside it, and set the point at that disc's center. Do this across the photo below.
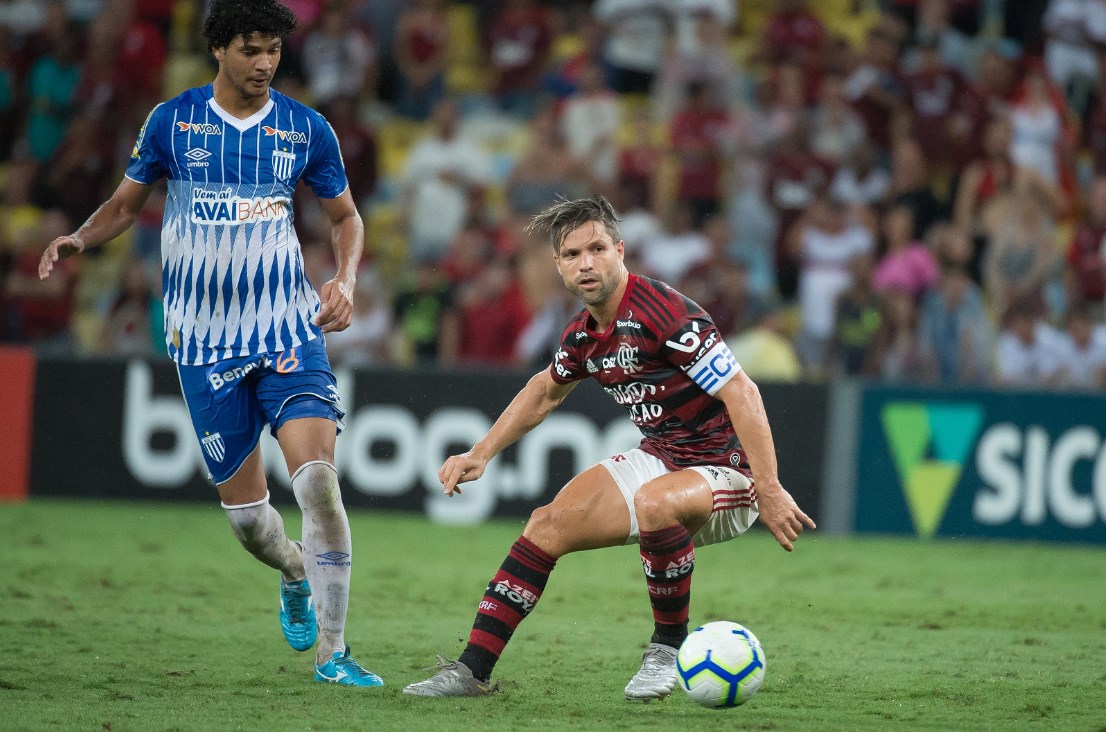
(348, 241)
(114, 216)
(527, 410)
(778, 510)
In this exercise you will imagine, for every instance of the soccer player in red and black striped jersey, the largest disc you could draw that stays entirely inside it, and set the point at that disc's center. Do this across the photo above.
(703, 472)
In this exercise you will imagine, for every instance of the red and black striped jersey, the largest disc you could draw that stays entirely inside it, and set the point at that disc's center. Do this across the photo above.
(663, 359)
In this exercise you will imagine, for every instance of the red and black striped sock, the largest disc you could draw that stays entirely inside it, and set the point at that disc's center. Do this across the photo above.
(511, 595)
(668, 557)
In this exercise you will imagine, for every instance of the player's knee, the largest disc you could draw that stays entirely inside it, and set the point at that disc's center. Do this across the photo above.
(248, 525)
(655, 507)
(546, 529)
(315, 485)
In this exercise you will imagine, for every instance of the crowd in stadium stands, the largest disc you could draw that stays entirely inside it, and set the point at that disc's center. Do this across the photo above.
(905, 190)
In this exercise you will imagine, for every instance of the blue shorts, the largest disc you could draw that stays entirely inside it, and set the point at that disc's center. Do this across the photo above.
(231, 401)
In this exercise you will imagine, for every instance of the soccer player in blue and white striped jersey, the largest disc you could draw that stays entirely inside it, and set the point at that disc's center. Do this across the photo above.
(242, 322)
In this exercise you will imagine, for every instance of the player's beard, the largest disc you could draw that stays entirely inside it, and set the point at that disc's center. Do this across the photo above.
(596, 297)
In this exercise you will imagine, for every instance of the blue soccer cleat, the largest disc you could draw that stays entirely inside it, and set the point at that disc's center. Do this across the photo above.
(297, 614)
(341, 669)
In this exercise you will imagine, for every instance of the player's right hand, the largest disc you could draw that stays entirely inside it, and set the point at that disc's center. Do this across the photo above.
(60, 248)
(460, 469)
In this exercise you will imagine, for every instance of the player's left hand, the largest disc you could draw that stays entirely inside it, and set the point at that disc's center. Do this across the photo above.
(782, 516)
(336, 312)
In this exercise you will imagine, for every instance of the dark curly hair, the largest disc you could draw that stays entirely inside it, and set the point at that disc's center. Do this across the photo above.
(231, 18)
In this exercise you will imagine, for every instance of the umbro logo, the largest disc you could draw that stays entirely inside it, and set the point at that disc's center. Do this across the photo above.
(333, 559)
(198, 156)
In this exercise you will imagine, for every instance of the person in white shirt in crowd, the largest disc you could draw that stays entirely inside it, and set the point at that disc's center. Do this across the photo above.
(1083, 352)
(445, 172)
(675, 250)
(589, 124)
(835, 129)
(1074, 30)
(1029, 351)
(339, 59)
(637, 32)
(861, 180)
(824, 240)
(704, 58)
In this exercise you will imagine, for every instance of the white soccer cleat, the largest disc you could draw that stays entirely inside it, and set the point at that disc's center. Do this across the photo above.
(453, 679)
(657, 677)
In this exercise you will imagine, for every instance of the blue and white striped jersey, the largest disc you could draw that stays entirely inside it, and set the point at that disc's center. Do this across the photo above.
(232, 270)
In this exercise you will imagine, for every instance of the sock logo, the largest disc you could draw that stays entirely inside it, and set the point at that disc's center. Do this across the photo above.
(929, 444)
(334, 559)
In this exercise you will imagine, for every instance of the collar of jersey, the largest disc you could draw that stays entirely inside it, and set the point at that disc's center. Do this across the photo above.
(241, 124)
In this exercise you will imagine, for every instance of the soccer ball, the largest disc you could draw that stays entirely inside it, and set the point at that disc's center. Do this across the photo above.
(721, 664)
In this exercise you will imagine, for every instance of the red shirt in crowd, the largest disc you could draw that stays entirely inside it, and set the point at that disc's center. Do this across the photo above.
(1085, 256)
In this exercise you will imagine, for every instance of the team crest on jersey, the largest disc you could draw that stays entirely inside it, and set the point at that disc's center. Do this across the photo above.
(199, 129)
(284, 135)
(626, 358)
(283, 163)
(214, 446)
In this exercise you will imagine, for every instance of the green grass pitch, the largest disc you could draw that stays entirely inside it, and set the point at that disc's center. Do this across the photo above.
(148, 616)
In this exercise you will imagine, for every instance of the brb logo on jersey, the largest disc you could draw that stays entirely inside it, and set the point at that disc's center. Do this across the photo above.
(223, 207)
(284, 135)
(195, 129)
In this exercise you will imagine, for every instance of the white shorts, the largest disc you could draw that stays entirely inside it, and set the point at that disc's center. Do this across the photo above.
(735, 507)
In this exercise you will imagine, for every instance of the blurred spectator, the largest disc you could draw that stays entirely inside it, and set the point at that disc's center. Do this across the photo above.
(636, 37)
(794, 178)
(896, 354)
(1086, 253)
(564, 80)
(540, 338)
(706, 61)
(338, 57)
(874, 86)
(861, 181)
(793, 32)
(368, 339)
(589, 123)
(933, 92)
(824, 241)
(421, 51)
(135, 323)
(51, 96)
(492, 312)
(764, 350)
(1083, 353)
(721, 285)
(697, 134)
(102, 87)
(856, 320)
(992, 178)
(907, 264)
(426, 324)
(1094, 121)
(546, 170)
(140, 64)
(835, 129)
(443, 175)
(358, 145)
(910, 188)
(40, 311)
(1074, 29)
(1037, 126)
(933, 29)
(955, 328)
(1021, 255)
(678, 247)
(639, 163)
(9, 88)
(79, 175)
(517, 47)
(1029, 349)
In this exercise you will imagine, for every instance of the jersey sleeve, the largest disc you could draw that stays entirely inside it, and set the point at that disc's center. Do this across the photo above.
(325, 172)
(566, 366)
(146, 165)
(695, 346)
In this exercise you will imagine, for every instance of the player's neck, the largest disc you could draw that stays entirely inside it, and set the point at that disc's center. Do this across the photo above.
(235, 103)
(604, 313)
